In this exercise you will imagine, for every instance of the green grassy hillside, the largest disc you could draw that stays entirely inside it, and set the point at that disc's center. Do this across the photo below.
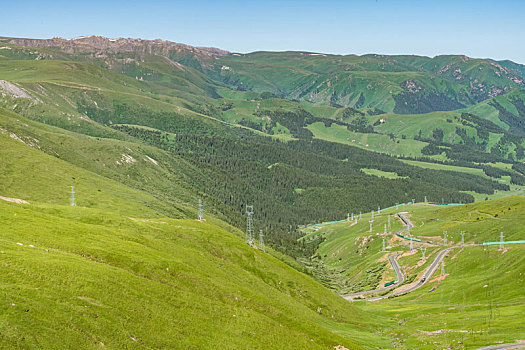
(478, 303)
(76, 277)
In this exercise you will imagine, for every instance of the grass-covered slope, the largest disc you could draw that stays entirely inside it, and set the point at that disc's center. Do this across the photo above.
(76, 277)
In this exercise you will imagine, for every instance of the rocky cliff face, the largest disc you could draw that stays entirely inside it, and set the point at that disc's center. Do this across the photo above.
(98, 43)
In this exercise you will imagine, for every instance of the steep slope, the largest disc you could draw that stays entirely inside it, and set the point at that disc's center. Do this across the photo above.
(75, 277)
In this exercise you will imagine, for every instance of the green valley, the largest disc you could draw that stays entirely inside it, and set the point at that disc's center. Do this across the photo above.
(338, 155)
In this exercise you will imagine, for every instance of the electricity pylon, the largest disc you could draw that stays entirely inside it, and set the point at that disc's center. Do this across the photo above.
(249, 224)
(73, 200)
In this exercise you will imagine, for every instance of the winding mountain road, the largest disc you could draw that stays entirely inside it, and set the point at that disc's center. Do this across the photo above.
(428, 273)
(400, 274)
(400, 278)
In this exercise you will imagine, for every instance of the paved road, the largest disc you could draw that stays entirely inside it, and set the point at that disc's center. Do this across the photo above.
(400, 278)
(426, 276)
(400, 274)
(503, 346)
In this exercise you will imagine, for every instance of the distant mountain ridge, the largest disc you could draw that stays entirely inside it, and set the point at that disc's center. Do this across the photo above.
(95, 42)
(402, 84)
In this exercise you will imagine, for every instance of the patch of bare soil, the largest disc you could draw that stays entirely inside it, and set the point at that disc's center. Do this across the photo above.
(14, 200)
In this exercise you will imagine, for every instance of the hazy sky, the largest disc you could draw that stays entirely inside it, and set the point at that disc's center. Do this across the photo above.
(481, 28)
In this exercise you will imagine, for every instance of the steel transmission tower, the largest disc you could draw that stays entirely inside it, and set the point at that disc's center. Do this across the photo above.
(73, 200)
(348, 217)
(423, 251)
(385, 229)
(389, 222)
(445, 238)
(249, 224)
(371, 222)
(462, 238)
(501, 243)
(384, 244)
(200, 211)
(261, 241)
(442, 268)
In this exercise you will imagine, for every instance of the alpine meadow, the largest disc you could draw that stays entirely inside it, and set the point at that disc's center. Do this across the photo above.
(157, 195)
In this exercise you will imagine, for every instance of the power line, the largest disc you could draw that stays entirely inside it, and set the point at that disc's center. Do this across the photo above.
(423, 251)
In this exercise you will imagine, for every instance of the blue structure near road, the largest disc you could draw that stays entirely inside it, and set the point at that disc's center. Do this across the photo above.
(498, 243)
(318, 226)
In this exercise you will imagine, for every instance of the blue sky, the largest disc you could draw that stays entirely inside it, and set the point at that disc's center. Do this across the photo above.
(494, 29)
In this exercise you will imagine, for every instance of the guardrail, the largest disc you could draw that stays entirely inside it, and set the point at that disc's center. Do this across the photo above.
(316, 226)
(409, 238)
(498, 243)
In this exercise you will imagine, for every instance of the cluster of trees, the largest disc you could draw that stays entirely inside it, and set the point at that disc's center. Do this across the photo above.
(516, 123)
(423, 102)
(296, 121)
(472, 149)
(360, 124)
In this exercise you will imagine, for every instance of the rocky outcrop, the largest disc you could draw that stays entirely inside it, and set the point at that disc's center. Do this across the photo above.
(95, 43)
